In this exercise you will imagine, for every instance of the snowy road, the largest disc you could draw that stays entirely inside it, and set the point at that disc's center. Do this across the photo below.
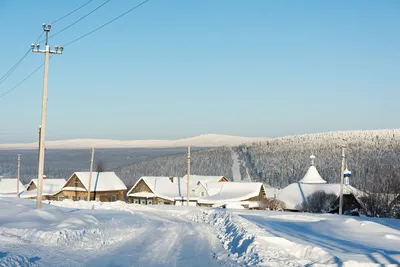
(119, 234)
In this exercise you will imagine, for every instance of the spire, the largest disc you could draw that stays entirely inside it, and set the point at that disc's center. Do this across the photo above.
(312, 176)
(312, 157)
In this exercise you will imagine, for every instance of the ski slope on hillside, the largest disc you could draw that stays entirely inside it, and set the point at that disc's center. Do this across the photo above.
(119, 234)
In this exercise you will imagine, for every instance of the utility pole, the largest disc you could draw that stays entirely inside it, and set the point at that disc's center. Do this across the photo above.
(47, 52)
(90, 175)
(188, 177)
(341, 180)
(18, 173)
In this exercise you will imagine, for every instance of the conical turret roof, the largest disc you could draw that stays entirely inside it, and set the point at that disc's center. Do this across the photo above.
(312, 176)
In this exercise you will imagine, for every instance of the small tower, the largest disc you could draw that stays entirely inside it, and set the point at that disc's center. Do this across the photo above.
(312, 176)
(347, 175)
(312, 157)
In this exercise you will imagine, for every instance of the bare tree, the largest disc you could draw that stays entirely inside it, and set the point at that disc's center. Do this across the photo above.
(318, 202)
(100, 166)
(273, 204)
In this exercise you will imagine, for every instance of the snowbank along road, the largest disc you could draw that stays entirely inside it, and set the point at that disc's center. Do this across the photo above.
(118, 234)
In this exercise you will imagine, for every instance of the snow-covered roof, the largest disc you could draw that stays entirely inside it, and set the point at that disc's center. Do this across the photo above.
(9, 186)
(233, 192)
(204, 178)
(166, 187)
(101, 181)
(73, 188)
(312, 176)
(142, 194)
(294, 194)
(50, 187)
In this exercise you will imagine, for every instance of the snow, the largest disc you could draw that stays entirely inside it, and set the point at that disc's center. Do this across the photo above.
(203, 178)
(294, 194)
(8, 186)
(355, 241)
(206, 140)
(142, 194)
(164, 188)
(101, 181)
(233, 192)
(312, 177)
(93, 233)
(237, 177)
(50, 187)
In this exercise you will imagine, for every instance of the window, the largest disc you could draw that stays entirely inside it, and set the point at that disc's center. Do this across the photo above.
(74, 198)
(149, 202)
(202, 194)
(136, 201)
(113, 198)
(61, 198)
(143, 201)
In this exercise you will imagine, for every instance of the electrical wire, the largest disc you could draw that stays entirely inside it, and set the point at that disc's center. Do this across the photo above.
(21, 82)
(16, 65)
(73, 11)
(77, 39)
(75, 22)
(105, 24)
(10, 71)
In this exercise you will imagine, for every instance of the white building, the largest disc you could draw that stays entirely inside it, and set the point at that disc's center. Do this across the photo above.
(296, 193)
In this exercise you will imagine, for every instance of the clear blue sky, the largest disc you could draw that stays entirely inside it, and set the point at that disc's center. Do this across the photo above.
(178, 68)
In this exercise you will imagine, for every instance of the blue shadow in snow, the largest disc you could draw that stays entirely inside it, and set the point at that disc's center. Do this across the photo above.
(315, 233)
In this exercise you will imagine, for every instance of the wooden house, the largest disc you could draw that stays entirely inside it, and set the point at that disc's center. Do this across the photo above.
(104, 186)
(150, 190)
(49, 189)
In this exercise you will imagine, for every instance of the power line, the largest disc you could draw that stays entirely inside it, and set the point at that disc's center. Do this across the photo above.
(21, 82)
(72, 24)
(77, 39)
(73, 11)
(13, 68)
(105, 24)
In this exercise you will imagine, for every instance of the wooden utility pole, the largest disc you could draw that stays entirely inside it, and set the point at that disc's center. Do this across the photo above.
(46, 52)
(341, 180)
(188, 177)
(90, 175)
(18, 173)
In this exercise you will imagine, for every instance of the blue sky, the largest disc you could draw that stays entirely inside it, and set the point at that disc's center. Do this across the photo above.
(177, 68)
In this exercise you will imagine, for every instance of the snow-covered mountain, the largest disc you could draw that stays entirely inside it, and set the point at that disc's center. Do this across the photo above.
(206, 140)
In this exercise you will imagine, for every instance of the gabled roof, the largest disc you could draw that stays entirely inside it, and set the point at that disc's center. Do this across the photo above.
(101, 181)
(294, 194)
(50, 187)
(9, 186)
(168, 188)
(233, 192)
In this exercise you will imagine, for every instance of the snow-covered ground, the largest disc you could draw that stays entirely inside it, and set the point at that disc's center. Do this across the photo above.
(119, 234)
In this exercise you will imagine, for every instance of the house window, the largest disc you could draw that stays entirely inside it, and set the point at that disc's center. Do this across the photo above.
(202, 194)
(113, 198)
(149, 202)
(61, 198)
(143, 201)
(136, 201)
(74, 198)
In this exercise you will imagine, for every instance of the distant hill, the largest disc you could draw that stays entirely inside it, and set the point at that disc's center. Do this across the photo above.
(206, 140)
(373, 157)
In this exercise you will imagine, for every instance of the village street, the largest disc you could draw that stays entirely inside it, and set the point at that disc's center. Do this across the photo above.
(78, 233)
